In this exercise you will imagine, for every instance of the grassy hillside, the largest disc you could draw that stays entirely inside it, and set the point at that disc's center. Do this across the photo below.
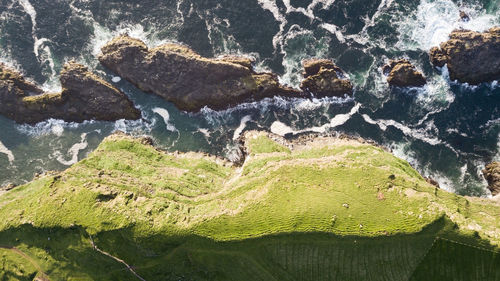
(312, 209)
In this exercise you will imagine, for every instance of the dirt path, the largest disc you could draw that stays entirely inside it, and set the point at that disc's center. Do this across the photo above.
(115, 258)
(41, 276)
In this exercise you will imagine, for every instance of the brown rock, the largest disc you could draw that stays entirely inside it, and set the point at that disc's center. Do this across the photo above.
(187, 79)
(472, 57)
(492, 175)
(323, 78)
(464, 16)
(402, 73)
(84, 96)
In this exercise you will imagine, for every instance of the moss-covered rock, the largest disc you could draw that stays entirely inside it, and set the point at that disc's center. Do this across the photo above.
(84, 96)
(471, 57)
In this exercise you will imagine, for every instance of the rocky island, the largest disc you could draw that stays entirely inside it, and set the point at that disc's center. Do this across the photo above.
(402, 73)
(191, 81)
(84, 96)
(472, 57)
(291, 207)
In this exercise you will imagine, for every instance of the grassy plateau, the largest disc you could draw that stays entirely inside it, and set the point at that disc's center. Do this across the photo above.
(315, 208)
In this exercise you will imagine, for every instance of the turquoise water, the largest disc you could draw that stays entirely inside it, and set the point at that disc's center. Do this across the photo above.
(446, 130)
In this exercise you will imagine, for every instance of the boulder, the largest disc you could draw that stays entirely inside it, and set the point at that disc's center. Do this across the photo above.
(472, 57)
(84, 96)
(188, 80)
(402, 73)
(464, 16)
(492, 175)
(323, 78)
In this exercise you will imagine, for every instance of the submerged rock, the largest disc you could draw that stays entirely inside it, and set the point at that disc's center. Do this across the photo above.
(84, 96)
(402, 73)
(464, 16)
(492, 175)
(187, 79)
(323, 78)
(191, 81)
(472, 57)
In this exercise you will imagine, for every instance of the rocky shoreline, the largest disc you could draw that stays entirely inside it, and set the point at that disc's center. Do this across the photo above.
(84, 96)
(472, 57)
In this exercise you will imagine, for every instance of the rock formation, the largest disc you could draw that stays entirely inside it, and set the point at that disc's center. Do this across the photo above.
(402, 73)
(492, 175)
(323, 78)
(472, 57)
(84, 96)
(464, 16)
(191, 81)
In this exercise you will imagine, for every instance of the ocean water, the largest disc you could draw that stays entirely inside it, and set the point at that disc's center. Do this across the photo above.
(446, 130)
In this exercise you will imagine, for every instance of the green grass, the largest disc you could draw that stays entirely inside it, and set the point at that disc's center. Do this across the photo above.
(326, 210)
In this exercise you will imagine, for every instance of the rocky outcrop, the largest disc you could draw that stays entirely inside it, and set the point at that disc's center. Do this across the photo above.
(402, 73)
(84, 96)
(187, 79)
(472, 57)
(323, 78)
(191, 81)
(492, 175)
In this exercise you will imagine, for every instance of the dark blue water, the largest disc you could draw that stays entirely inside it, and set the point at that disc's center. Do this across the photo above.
(446, 130)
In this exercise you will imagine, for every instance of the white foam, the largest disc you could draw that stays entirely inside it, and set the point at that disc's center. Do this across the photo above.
(116, 79)
(414, 133)
(50, 126)
(166, 118)
(434, 20)
(402, 150)
(204, 131)
(243, 124)
(73, 151)
(6, 151)
(282, 129)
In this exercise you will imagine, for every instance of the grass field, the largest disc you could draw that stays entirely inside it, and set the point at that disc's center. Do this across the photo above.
(321, 209)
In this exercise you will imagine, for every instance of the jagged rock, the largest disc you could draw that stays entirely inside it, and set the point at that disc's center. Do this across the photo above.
(402, 73)
(84, 96)
(187, 79)
(492, 175)
(432, 181)
(464, 16)
(472, 57)
(323, 78)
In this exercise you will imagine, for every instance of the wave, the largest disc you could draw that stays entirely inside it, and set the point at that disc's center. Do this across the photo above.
(73, 151)
(434, 20)
(50, 126)
(243, 124)
(166, 118)
(282, 129)
(6, 151)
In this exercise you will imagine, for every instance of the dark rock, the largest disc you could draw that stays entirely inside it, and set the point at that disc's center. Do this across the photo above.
(187, 79)
(432, 181)
(472, 57)
(191, 81)
(492, 175)
(8, 187)
(323, 78)
(84, 96)
(402, 73)
(464, 16)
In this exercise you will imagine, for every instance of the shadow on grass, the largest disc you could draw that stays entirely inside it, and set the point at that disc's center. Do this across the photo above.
(438, 252)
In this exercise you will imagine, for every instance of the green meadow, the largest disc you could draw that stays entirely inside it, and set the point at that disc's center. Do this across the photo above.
(321, 209)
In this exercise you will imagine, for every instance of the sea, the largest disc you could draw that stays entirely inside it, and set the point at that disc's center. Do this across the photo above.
(446, 130)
